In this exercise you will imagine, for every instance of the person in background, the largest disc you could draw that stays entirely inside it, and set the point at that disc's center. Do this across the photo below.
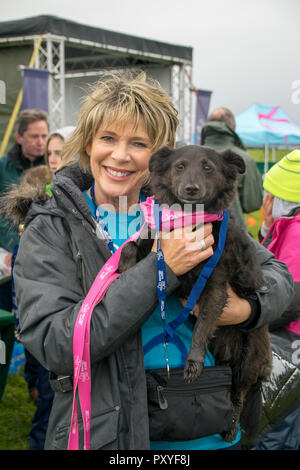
(123, 121)
(32, 129)
(54, 147)
(53, 155)
(280, 233)
(53, 152)
(219, 134)
(14, 206)
(36, 182)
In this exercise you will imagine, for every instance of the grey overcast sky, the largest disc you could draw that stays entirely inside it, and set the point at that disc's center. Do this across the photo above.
(245, 51)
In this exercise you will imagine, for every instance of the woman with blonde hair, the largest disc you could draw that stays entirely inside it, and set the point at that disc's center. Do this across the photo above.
(68, 240)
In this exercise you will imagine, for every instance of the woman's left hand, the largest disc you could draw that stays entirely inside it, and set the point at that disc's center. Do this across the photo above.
(236, 311)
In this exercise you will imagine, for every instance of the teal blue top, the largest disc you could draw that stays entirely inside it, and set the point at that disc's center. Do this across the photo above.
(121, 226)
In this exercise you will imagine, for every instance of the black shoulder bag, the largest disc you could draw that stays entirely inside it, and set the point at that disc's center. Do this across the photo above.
(179, 411)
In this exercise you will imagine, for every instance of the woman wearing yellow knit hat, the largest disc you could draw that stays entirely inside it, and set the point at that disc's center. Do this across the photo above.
(280, 233)
(283, 182)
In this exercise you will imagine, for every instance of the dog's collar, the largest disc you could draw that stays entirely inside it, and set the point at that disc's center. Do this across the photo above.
(174, 219)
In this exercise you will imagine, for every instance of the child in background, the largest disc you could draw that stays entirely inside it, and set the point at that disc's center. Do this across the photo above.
(53, 153)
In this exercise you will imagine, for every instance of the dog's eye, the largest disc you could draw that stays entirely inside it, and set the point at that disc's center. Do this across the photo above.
(207, 168)
(179, 166)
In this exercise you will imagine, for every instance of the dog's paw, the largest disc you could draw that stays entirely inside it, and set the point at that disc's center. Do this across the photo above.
(230, 435)
(128, 257)
(192, 370)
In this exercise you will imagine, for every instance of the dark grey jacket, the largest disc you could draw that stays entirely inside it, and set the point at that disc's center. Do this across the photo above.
(58, 259)
(249, 198)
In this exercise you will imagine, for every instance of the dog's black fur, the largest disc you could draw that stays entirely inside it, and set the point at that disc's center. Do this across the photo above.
(200, 175)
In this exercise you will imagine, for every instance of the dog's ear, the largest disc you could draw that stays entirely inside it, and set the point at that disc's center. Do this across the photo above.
(234, 160)
(159, 161)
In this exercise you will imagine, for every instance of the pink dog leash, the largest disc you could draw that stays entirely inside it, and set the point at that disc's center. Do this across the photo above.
(81, 336)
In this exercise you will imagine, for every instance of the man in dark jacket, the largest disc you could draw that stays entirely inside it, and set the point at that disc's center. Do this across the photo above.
(219, 134)
(32, 130)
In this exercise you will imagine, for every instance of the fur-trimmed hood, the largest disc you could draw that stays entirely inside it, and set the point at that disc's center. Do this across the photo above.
(16, 202)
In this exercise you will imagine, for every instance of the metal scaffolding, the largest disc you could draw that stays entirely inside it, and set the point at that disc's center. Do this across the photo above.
(182, 97)
(69, 50)
(51, 56)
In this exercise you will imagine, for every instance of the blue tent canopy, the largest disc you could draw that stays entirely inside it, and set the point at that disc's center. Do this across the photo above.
(260, 125)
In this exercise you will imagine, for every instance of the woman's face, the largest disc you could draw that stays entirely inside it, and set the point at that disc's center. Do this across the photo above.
(54, 153)
(119, 160)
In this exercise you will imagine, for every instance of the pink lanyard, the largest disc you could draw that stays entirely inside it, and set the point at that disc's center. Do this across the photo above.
(81, 346)
(81, 336)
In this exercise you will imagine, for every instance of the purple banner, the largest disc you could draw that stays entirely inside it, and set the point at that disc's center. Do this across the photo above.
(202, 106)
(35, 89)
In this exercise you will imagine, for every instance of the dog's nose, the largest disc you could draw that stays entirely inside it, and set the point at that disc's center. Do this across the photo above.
(191, 189)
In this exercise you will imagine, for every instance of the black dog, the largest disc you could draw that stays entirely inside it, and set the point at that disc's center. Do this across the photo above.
(200, 175)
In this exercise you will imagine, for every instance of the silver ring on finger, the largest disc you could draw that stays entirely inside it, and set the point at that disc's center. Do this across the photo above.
(203, 245)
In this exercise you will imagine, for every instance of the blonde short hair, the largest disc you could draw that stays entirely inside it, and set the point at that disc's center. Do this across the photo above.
(120, 98)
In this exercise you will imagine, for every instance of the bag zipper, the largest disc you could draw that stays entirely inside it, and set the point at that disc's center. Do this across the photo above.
(163, 402)
(157, 379)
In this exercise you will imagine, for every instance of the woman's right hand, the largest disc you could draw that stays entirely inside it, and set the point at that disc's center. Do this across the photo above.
(183, 248)
(267, 209)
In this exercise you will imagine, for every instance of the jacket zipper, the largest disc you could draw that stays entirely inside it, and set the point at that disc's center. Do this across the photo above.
(81, 272)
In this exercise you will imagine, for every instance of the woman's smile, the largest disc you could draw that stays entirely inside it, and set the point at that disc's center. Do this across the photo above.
(117, 174)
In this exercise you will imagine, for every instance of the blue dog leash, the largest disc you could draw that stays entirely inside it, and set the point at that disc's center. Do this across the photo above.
(101, 224)
(161, 266)
(169, 329)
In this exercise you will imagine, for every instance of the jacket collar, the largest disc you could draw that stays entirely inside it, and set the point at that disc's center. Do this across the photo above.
(69, 184)
(215, 132)
(17, 159)
(74, 176)
(294, 211)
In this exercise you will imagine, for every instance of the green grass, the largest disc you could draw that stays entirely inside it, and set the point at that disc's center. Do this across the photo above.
(259, 154)
(16, 414)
